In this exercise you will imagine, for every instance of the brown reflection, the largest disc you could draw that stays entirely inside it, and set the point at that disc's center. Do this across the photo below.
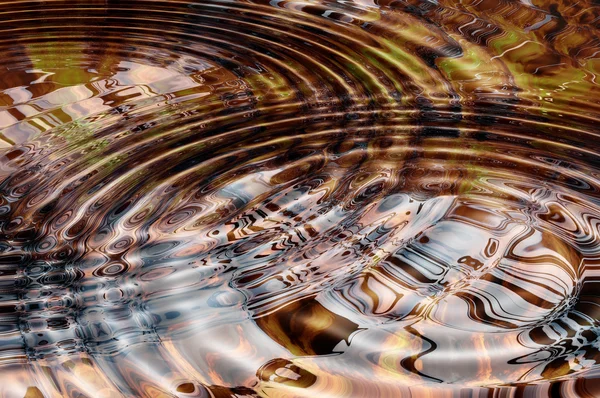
(287, 373)
(305, 327)
(33, 392)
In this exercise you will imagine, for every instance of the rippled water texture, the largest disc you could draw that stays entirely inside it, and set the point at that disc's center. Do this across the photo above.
(300, 198)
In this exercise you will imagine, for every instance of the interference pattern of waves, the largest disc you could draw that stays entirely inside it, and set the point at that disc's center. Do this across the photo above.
(299, 198)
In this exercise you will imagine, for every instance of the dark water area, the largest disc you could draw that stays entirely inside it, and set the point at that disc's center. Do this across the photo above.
(283, 198)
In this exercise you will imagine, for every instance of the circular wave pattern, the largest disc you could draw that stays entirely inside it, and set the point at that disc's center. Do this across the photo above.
(299, 198)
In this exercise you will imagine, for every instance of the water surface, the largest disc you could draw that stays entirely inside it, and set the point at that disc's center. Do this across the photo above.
(286, 198)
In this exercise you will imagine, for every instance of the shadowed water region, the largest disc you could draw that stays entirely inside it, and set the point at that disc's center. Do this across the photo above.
(284, 198)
